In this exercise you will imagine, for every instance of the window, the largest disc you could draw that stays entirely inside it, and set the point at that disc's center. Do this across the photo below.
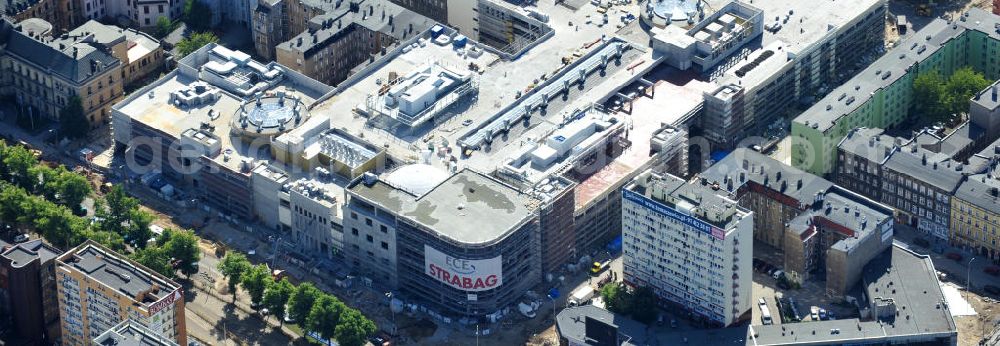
(369, 238)
(383, 229)
(368, 221)
(385, 245)
(354, 231)
(354, 215)
(145, 10)
(159, 8)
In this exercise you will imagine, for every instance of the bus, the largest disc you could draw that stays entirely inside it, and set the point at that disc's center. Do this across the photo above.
(765, 315)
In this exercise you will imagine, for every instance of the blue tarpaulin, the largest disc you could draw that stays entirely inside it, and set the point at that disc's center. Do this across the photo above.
(719, 155)
(615, 245)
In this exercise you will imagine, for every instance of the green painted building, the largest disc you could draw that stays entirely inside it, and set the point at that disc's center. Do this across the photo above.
(882, 94)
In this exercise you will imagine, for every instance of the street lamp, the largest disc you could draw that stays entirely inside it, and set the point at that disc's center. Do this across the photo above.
(968, 277)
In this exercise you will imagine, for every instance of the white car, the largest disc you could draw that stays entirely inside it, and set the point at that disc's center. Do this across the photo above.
(20, 238)
(761, 302)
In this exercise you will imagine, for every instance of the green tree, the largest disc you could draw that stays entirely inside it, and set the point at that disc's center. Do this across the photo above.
(324, 316)
(232, 266)
(255, 281)
(19, 167)
(962, 85)
(197, 40)
(12, 199)
(643, 305)
(182, 246)
(197, 15)
(276, 296)
(73, 122)
(930, 95)
(137, 230)
(121, 214)
(354, 328)
(65, 187)
(301, 301)
(108, 239)
(163, 27)
(156, 259)
(616, 297)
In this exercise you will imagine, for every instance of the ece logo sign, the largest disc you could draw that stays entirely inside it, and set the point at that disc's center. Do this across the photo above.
(463, 274)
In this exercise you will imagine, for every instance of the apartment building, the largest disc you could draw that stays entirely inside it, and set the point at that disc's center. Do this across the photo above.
(804, 52)
(98, 289)
(140, 13)
(917, 177)
(774, 191)
(21, 10)
(141, 54)
(690, 245)
(28, 291)
(837, 236)
(334, 44)
(881, 95)
(814, 225)
(975, 214)
(41, 74)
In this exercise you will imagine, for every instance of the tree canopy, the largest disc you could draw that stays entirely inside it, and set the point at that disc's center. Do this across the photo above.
(937, 98)
(155, 258)
(325, 315)
(73, 122)
(353, 328)
(276, 297)
(255, 281)
(232, 266)
(182, 247)
(190, 44)
(163, 27)
(301, 301)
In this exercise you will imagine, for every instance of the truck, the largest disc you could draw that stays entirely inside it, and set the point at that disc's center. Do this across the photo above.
(581, 295)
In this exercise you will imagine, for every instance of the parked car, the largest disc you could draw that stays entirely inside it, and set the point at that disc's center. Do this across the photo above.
(991, 289)
(20, 238)
(822, 314)
(761, 301)
(814, 313)
(954, 256)
(992, 270)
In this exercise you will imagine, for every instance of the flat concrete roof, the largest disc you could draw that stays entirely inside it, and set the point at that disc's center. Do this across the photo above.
(468, 207)
(914, 285)
(24, 253)
(152, 106)
(117, 272)
(129, 333)
(499, 82)
(808, 21)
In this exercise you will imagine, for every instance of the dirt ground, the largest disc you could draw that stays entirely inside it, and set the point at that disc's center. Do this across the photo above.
(972, 328)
